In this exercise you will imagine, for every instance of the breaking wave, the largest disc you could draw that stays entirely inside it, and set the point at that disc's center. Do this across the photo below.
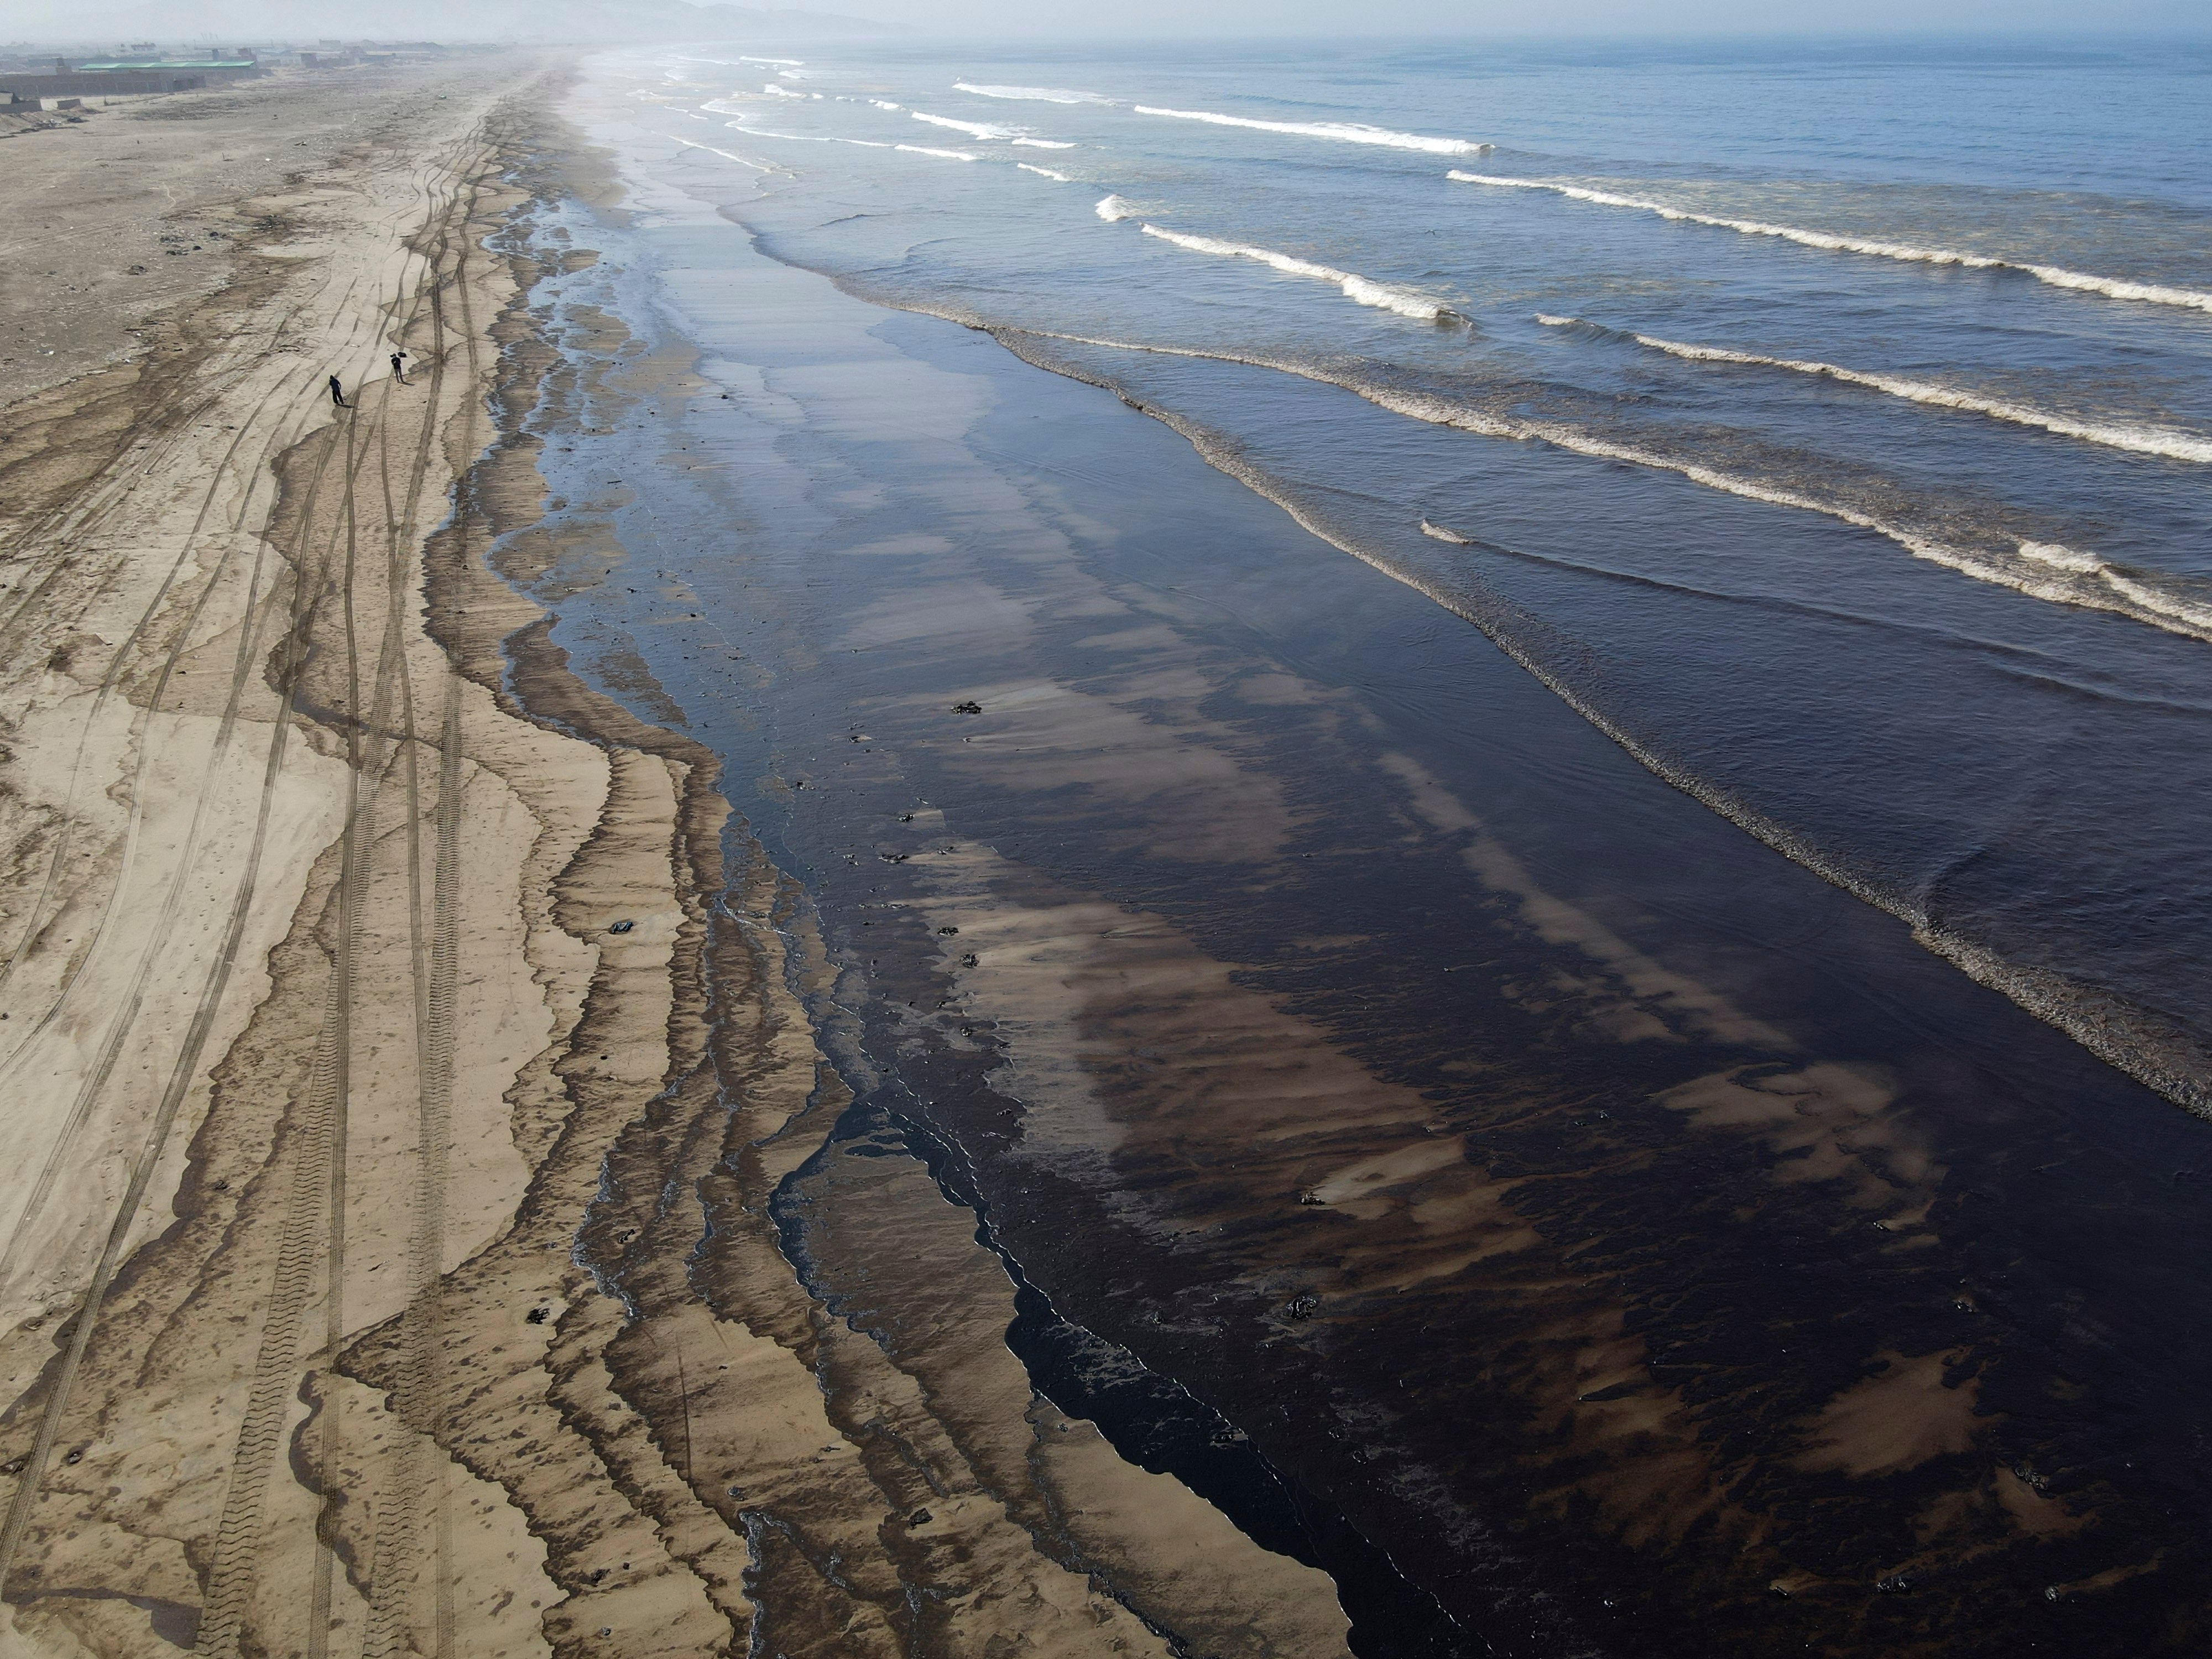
(804, 137)
(1353, 287)
(2140, 439)
(775, 91)
(1057, 178)
(1349, 132)
(741, 161)
(973, 129)
(944, 155)
(1044, 143)
(1031, 95)
(2057, 277)
(1113, 208)
(2041, 570)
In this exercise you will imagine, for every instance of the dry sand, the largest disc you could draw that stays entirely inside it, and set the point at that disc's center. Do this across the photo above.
(325, 1069)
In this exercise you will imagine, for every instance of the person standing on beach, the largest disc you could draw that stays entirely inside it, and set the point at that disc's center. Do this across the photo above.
(338, 394)
(399, 366)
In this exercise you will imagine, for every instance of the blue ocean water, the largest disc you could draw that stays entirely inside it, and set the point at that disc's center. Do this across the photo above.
(1832, 429)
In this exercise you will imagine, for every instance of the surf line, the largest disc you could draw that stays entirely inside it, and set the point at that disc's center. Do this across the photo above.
(803, 138)
(741, 161)
(1353, 286)
(990, 129)
(1032, 95)
(2056, 275)
(1347, 132)
(2167, 441)
(2038, 570)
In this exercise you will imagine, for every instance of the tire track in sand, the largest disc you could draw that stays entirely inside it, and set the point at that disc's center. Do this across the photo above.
(321, 1167)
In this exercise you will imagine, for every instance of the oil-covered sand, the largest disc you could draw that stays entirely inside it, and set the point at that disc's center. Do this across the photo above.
(859, 1008)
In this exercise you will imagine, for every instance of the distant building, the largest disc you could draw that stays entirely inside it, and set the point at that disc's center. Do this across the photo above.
(120, 76)
(211, 70)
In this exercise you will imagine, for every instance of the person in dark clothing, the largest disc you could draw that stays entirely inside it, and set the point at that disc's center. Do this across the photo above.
(400, 368)
(338, 393)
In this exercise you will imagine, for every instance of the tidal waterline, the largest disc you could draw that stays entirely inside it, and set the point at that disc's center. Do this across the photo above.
(1645, 1243)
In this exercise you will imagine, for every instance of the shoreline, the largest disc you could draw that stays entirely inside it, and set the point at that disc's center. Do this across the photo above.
(967, 681)
(565, 1230)
(489, 1151)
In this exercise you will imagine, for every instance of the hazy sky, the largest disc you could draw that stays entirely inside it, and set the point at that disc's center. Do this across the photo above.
(1551, 17)
(1031, 19)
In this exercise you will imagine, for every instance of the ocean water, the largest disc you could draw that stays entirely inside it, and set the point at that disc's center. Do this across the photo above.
(1536, 862)
(1832, 429)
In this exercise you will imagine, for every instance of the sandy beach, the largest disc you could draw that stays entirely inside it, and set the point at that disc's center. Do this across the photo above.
(388, 1012)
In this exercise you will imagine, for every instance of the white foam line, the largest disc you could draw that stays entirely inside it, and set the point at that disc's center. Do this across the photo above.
(1353, 287)
(775, 91)
(1044, 144)
(1031, 95)
(973, 129)
(1057, 178)
(682, 57)
(946, 154)
(2057, 277)
(1348, 132)
(2138, 440)
(883, 103)
(804, 137)
(741, 161)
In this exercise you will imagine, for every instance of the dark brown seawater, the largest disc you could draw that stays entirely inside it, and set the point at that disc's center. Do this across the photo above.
(1647, 1247)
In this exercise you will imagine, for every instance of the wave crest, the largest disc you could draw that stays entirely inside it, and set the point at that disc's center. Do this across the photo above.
(2111, 287)
(1362, 289)
(803, 137)
(1031, 95)
(1347, 132)
(761, 167)
(973, 129)
(2141, 439)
